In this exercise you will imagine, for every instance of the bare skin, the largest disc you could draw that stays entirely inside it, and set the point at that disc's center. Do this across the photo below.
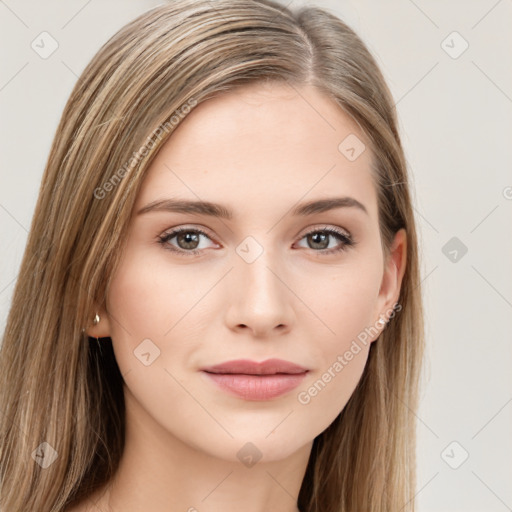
(260, 151)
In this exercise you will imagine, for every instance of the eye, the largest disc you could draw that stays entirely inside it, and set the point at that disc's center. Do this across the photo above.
(188, 240)
(319, 239)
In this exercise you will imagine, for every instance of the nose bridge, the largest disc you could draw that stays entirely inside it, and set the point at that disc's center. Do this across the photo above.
(258, 276)
(260, 298)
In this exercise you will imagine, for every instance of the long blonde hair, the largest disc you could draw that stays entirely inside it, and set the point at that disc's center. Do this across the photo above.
(59, 387)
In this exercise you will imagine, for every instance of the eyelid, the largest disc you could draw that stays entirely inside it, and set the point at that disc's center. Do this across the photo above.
(190, 227)
(301, 234)
(321, 227)
(335, 231)
(185, 228)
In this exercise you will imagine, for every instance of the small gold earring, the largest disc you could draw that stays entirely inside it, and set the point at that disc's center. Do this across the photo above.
(96, 319)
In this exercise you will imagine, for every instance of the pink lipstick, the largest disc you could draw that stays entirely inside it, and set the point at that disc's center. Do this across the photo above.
(251, 380)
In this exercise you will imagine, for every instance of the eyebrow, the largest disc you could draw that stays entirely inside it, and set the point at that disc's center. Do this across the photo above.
(218, 210)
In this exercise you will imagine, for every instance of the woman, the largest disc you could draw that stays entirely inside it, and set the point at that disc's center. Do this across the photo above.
(219, 306)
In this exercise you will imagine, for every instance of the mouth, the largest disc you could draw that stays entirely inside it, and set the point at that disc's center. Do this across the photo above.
(251, 380)
(256, 387)
(248, 367)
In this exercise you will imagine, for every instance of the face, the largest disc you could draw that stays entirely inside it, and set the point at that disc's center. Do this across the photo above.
(269, 280)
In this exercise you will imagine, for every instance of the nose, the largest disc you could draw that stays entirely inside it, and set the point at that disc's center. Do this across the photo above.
(259, 299)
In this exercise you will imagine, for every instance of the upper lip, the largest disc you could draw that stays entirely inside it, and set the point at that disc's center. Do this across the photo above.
(248, 367)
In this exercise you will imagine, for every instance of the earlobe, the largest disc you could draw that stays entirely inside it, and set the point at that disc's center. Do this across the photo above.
(99, 326)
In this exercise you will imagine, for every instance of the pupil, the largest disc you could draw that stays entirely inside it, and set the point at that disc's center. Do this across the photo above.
(321, 242)
(188, 239)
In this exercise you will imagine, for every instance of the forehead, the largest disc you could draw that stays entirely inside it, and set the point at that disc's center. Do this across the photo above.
(263, 145)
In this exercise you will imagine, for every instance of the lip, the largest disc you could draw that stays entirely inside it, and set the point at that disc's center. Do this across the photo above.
(248, 367)
(251, 380)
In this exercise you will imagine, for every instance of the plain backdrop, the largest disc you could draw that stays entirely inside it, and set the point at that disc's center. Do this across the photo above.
(448, 64)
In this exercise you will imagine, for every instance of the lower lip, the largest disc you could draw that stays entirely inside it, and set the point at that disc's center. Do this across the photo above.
(257, 387)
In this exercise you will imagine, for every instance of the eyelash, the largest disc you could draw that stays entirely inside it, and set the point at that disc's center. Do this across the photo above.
(341, 236)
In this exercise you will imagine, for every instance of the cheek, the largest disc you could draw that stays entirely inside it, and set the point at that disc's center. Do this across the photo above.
(148, 299)
(325, 394)
(346, 304)
(138, 309)
(341, 359)
(147, 305)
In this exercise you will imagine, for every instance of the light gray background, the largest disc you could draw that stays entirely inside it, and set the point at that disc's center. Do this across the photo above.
(456, 124)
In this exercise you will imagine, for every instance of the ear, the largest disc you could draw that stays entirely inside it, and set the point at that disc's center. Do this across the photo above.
(102, 328)
(394, 269)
